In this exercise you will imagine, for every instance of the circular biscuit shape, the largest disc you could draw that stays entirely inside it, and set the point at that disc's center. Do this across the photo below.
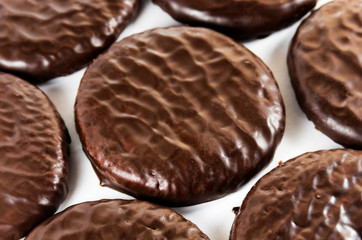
(314, 196)
(43, 39)
(241, 19)
(178, 115)
(116, 220)
(325, 66)
(34, 157)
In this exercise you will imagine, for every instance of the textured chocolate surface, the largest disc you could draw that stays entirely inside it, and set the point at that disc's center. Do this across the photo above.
(314, 196)
(116, 220)
(325, 65)
(34, 157)
(238, 18)
(43, 39)
(178, 115)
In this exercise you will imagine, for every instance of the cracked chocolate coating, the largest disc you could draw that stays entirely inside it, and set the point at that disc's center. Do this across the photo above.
(116, 220)
(178, 115)
(325, 66)
(43, 39)
(314, 196)
(240, 19)
(34, 157)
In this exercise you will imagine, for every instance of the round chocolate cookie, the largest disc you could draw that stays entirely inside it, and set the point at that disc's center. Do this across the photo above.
(116, 220)
(43, 39)
(178, 115)
(240, 19)
(325, 65)
(34, 157)
(314, 196)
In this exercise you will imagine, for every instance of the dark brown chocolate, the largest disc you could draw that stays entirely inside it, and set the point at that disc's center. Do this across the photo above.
(178, 115)
(325, 66)
(241, 19)
(34, 157)
(117, 220)
(43, 39)
(314, 196)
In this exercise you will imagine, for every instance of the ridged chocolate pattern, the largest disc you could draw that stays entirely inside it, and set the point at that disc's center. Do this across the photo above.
(240, 19)
(42, 39)
(34, 157)
(325, 65)
(178, 115)
(314, 196)
(117, 220)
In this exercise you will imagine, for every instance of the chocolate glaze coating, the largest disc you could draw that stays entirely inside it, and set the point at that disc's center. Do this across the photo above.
(240, 19)
(34, 157)
(325, 66)
(314, 196)
(178, 115)
(116, 220)
(43, 39)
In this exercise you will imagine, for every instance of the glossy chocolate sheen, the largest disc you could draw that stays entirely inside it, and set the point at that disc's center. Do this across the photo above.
(314, 196)
(240, 19)
(325, 65)
(43, 39)
(34, 157)
(178, 115)
(117, 220)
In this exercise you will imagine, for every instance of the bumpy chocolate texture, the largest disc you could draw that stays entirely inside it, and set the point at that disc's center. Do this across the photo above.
(42, 39)
(116, 220)
(178, 115)
(314, 196)
(240, 19)
(325, 65)
(34, 157)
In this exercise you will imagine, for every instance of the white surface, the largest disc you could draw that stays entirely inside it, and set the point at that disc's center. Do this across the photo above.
(216, 217)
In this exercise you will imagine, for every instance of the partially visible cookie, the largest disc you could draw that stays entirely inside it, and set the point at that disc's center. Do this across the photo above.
(178, 115)
(117, 220)
(34, 157)
(314, 196)
(325, 66)
(43, 39)
(241, 19)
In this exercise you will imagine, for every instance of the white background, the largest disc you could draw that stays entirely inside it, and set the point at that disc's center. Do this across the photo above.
(216, 217)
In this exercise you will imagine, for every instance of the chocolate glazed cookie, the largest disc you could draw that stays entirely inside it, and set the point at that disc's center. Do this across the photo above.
(314, 196)
(178, 115)
(43, 39)
(325, 66)
(117, 220)
(240, 19)
(34, 157)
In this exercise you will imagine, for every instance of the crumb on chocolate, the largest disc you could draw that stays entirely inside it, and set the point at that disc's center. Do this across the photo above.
(236, 210)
